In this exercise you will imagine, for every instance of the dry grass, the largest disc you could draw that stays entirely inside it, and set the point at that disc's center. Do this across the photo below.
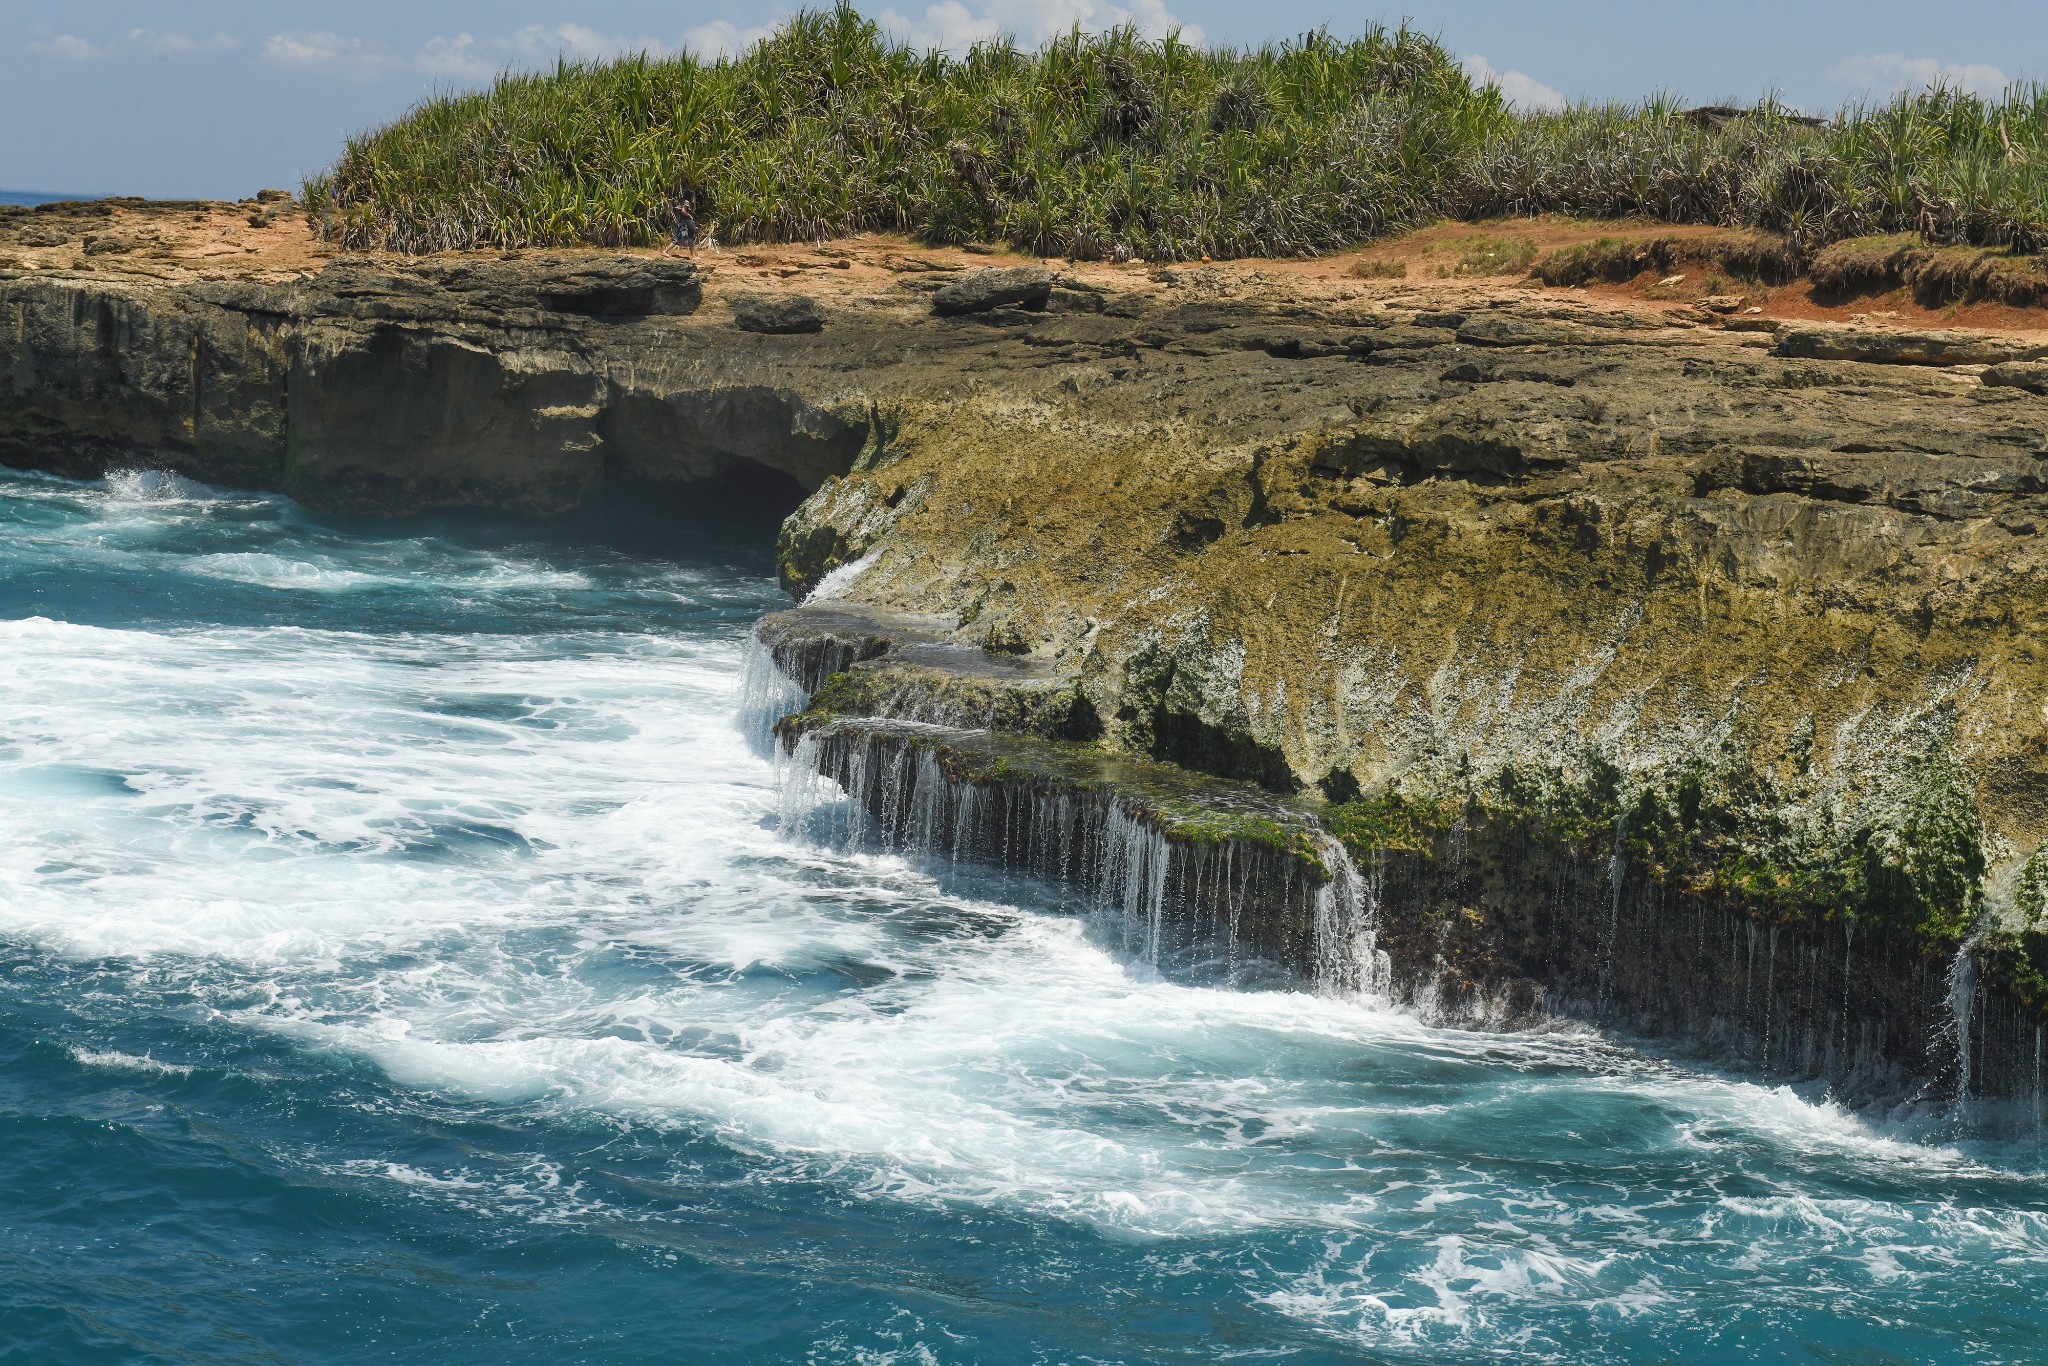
(1937, 276)
(1369, 268)
(1753, 258)
(1482, 256)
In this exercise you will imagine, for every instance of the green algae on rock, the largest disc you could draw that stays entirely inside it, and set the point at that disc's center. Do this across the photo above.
(1540, 889)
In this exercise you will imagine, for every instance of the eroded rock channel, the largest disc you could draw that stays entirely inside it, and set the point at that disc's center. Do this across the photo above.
(1512, 654)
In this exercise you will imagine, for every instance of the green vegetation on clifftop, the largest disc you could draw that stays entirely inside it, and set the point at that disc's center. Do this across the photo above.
(1105, 145)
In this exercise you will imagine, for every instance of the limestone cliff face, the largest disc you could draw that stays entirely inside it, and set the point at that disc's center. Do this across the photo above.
(1660, 676)
(1330, 544)
(528, 384)
(1756, 620)
(1354, 552)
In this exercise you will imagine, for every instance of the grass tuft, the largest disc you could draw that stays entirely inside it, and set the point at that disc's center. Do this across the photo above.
(1481, 256)
(1369, 268)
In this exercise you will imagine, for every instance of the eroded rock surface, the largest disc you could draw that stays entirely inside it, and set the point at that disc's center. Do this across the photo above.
(528, 384)
(1744, 623)
(1003, 287)
(777, 314)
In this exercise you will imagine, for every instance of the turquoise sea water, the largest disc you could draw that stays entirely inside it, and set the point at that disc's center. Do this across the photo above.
(400, 960)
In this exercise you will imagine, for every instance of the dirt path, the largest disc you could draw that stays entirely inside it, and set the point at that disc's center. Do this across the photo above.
(1449, 265)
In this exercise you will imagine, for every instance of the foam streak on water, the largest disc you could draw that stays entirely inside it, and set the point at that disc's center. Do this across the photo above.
(400, 954)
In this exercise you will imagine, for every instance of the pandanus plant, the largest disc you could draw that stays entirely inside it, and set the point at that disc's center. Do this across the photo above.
(1114, 143)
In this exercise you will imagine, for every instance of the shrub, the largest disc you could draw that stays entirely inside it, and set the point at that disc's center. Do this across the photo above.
(826, 128)
(1110, 143)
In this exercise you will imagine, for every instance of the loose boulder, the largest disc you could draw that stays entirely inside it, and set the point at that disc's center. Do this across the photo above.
(599, 288)
(777, 314)
(2031, 375)
(1007, 287)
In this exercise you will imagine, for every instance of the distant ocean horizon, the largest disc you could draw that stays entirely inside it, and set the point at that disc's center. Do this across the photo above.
(36, 197)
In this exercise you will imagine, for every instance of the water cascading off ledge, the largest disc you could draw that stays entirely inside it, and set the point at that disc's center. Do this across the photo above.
(1478, 913)
(1227, 888)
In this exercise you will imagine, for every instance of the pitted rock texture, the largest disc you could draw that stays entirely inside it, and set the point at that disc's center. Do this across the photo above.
(1011, 287)
(2031, 375)
(859, 661)
(1380, 546)
(529, 384)
(777, 314)
(1327, 540)
(1361, 551)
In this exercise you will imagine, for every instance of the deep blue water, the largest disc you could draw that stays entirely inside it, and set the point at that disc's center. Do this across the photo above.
(400, 961)
(31, 197)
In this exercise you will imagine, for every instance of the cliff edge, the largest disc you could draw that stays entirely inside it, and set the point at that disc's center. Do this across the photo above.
(1618, 635)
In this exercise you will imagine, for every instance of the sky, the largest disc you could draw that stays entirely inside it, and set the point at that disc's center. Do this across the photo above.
(220, 98)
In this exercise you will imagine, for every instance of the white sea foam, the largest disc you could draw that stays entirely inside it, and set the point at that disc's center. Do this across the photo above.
(277, 571)
(161, 486)
(274, 790)
(542, 873)
(117, 1061)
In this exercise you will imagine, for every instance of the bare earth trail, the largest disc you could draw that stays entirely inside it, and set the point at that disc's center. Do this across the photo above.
(269, 242)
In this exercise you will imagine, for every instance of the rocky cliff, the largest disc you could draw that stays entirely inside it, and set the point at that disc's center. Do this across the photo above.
(1665, 663)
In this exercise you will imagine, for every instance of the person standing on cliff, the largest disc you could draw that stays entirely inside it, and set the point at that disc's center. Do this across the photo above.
(685, 233)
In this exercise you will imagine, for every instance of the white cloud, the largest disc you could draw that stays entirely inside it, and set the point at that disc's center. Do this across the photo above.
(461, 57)
(949, 26)
(336, 52)
(1885, 72)
(537, 41)
(1523, 90)
(69, 46)
(468, 57)
(176, 44)
(146, 42)
(723, 38)
(955, 26)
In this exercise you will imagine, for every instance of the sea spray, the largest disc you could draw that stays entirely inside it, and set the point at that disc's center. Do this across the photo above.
(1848, 950)
(1194, 876)
(1749, 978)
(839, 580)
(650, 1014)
(1770, 985)
(1617, 876)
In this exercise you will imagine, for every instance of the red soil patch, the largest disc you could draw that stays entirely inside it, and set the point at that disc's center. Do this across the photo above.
(219, 240)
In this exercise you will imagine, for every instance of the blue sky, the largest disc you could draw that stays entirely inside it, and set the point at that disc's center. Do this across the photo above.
(223, 97)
